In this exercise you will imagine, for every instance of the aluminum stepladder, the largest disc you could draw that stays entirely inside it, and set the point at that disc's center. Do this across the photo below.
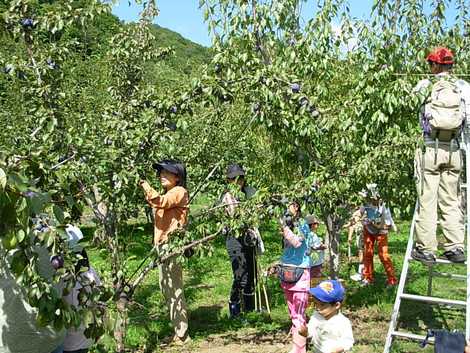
(392, 331)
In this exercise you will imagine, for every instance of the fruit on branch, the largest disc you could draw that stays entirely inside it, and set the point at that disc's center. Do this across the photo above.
(255, 108)
(51, 64)
(295, 87)
(21, 75)
(171, 126)
(29, 194)
(8, 68)
(314, 112)
(304, 101)
(27, 23)
(292, 42)
(174, 109)
(57, 262)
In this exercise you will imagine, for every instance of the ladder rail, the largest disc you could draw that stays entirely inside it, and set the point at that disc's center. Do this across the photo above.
(467, 230)
(401, 284)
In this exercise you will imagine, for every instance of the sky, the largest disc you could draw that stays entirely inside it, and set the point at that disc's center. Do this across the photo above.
(185, 17)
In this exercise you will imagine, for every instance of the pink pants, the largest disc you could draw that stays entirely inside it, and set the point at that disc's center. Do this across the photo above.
(297, 303)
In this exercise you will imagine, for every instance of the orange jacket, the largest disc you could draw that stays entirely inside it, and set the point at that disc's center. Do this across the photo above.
(171, 210)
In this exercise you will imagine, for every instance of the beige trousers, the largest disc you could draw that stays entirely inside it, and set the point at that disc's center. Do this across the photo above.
(170, 275)
(437, 183)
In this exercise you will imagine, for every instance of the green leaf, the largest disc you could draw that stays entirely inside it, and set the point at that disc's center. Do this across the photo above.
(21, 235)
(59, 214)
(3, 179)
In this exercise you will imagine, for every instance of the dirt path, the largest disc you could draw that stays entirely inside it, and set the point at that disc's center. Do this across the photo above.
(233, 342)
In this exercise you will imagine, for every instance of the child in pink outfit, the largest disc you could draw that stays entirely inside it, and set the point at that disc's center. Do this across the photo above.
(295, 273)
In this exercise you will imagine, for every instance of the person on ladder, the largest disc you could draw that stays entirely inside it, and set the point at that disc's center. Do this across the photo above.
(438, 164)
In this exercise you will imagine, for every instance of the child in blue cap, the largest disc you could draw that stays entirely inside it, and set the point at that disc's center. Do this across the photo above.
(329, 330)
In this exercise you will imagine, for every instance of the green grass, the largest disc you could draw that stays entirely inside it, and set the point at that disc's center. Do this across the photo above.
(208, 281)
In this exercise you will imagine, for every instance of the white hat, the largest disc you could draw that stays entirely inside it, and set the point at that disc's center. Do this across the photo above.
(74, 235)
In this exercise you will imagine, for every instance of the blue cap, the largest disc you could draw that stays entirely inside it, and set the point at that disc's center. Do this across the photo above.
(330, 291)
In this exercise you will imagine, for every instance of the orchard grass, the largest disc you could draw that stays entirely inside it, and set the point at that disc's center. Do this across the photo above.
(208, 281)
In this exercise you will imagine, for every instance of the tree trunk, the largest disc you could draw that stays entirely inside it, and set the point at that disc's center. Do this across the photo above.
(121, 323)
(332, 225)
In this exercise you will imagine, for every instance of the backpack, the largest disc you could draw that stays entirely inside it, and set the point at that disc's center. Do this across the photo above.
(443, 111)
(445, 341)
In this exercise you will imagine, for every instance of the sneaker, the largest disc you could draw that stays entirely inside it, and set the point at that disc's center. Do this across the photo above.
(424, 256)
(356, 277)
(365, 283)
(455, 255)
(181, 341)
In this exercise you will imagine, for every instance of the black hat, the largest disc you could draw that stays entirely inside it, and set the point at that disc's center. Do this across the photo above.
(174, 167)
(235, 170)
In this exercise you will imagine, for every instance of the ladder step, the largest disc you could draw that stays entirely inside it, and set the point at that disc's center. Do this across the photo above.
(433, 300)
(412, 336)
(449, 275)
(440, 261)
(447, 262)
(463, 185)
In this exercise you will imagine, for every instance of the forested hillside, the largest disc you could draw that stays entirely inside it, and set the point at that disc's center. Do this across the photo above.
(88, 104)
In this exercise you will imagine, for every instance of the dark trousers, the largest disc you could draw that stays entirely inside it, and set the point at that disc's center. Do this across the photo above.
(242, 257)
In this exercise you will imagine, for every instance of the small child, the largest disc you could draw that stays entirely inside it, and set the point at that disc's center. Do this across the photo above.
(330, 331)
(75, 339)
(316, 248)
(354, 227)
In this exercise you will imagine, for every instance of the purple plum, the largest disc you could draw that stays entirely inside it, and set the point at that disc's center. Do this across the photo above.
(57, 262)
(30, 194)
(51, 64)
(27, 23)
(295, 87)
(171, 126)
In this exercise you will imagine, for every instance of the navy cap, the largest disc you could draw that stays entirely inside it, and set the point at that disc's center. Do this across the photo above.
(174, 167)
(235, 170)
(330, 291)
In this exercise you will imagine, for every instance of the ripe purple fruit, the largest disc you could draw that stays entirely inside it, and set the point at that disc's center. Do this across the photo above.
(21, 75)
(314, 112)
(295, 87)
(27, 23)
(51, 64)
(30, 194)
(256, 107)
(171, 126)
(57, 262)
(8, 68)
(173, 109)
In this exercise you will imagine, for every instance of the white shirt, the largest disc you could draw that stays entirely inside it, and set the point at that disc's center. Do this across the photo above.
(75, 339)
(331, 334)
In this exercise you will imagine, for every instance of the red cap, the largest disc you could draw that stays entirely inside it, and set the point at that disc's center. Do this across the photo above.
(441, 55)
